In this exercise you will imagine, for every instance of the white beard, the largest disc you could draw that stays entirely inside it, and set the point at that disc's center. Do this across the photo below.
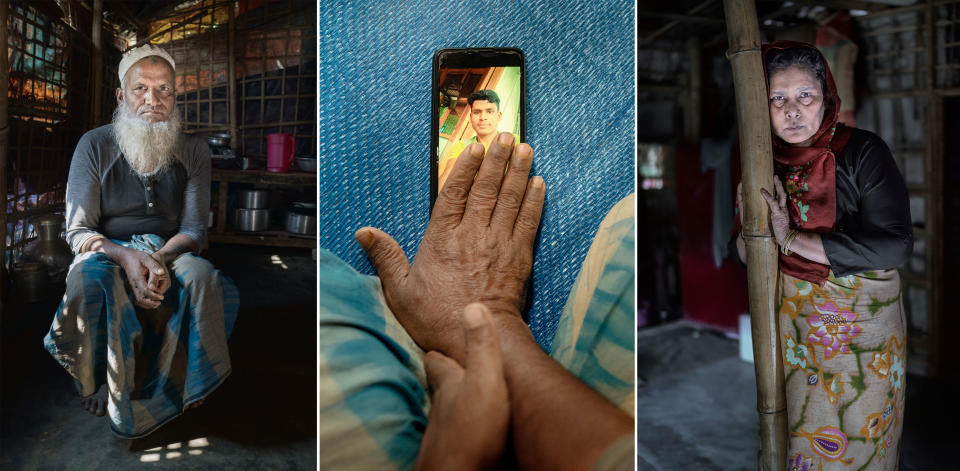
(148, 147)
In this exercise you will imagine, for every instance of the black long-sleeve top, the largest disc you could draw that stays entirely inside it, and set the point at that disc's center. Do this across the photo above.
(874, 230)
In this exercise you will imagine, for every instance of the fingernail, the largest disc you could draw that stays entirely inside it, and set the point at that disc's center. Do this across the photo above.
(364, 237)
(538, 182)
(505, 139)
(476, 150)
(522, 154)
(473, 315)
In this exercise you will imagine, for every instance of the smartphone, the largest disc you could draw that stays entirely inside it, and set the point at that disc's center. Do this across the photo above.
(477, 94)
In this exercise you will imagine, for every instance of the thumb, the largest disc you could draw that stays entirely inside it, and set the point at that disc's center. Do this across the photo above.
(385, 254)
(483, 358)
(440, 370)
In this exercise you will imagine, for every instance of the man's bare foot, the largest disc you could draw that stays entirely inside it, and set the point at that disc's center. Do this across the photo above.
(96, 403)
(194, 404)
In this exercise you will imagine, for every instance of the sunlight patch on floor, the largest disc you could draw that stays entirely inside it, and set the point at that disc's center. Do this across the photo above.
(153, 455)
(275, 259)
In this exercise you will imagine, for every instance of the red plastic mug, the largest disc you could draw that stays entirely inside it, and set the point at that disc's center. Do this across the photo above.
(280, 150)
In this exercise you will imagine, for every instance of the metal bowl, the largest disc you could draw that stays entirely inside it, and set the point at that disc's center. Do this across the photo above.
(307, 164)
(219, 139)
(249, 220)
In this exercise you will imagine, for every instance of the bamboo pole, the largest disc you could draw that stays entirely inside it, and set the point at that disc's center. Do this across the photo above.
(4, 140)
(756, 161)
(97, 63)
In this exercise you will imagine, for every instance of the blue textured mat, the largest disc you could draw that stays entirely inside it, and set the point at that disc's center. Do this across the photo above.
(374, 120)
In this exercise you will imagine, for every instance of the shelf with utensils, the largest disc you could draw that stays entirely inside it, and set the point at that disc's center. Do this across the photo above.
(274, 238)
(222, 233)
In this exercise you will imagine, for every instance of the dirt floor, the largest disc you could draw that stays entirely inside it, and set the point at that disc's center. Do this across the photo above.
(262, 417)
(696, 406)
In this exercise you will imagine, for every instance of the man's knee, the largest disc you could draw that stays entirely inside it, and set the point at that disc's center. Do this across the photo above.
(92, 273)
(193, 271)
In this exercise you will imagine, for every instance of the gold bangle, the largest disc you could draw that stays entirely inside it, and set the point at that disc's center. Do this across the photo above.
(785, 248)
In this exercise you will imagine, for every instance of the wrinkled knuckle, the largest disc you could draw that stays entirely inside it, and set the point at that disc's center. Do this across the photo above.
(484, 193)
(525, 225)
(510, 199)
(454, 192)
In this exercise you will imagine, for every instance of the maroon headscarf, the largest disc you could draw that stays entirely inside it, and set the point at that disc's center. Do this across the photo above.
(809, 173)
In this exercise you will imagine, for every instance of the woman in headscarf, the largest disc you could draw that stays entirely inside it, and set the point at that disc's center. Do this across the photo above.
(841, 216)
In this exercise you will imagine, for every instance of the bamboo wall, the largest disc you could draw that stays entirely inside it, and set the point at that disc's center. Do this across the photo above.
(273, 49)
(46, 112)
(912, 62)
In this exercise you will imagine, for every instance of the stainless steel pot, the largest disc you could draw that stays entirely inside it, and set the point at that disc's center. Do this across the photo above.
(301, 223)
(253, 199)
(248, 220)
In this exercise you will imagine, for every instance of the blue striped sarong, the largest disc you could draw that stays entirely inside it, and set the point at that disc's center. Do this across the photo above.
(373, 400)
(154, 362)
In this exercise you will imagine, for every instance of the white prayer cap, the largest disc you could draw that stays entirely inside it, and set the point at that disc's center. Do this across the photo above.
(132, 56)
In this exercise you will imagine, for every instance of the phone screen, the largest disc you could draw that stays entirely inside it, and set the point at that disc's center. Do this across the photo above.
(477, 94)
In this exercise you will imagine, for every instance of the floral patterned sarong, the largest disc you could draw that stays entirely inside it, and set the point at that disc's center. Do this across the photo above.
(844, 370)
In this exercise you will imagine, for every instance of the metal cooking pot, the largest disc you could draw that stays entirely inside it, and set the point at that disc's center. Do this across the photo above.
(253, 199)
(248, 220)
(301, 222)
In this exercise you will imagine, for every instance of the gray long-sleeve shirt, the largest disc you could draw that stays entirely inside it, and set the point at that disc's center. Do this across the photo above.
(106, 197)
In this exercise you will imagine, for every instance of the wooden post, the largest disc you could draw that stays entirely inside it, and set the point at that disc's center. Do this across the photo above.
(691, 119)
(756, 162)
(933, 163)
(4, 140)
(221, 216)
(96, 61)
(232, 79)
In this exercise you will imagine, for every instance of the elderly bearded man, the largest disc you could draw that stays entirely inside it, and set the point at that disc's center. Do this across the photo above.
(143, 325)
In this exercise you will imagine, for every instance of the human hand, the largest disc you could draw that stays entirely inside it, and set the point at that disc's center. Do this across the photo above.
(478, 247)
(470, 412)
(779, 215)
(159, 282)
(145, 275)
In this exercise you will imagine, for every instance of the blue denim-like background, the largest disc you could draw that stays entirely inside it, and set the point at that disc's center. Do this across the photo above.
(374, 121)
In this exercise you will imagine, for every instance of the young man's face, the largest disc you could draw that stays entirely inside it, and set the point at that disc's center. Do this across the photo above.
(484, 117)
